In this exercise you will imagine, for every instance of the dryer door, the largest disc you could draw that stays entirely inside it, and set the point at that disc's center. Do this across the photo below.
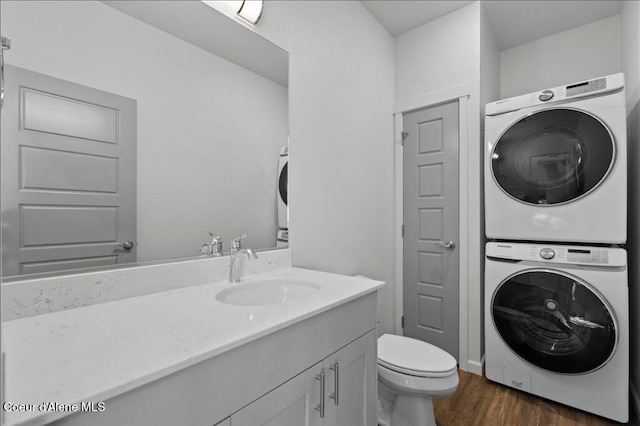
(554, 321)
(552, 156)
(283, 183)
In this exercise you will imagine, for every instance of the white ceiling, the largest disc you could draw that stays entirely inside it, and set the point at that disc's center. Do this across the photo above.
(400, 16)
(209, 29)
(513, 22)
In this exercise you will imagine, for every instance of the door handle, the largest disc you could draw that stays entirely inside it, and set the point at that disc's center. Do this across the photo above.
(320, 407)
(448, 244)
(6, 45)
(127, 245)
(336, 384)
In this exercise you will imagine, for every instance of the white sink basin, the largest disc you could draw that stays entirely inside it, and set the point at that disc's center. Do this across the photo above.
(268, 292)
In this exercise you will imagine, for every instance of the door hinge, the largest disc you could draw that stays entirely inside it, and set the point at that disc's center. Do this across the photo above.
(402, 230)
(402, 322)
(404, 135)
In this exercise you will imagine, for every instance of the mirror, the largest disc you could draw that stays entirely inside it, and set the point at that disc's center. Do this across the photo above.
(210, 119)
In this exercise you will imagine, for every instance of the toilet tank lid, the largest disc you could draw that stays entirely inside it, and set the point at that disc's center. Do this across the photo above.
(409, 354)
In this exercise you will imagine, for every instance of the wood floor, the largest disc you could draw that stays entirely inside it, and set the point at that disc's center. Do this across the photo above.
(478, 401)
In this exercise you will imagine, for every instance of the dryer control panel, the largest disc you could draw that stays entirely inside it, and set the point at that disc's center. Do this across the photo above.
(586, 87)
(588, 256)
(560, 94)
(553, 253)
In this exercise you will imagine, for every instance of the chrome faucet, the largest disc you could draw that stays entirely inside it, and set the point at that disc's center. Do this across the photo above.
(215, 248)
(237, 250)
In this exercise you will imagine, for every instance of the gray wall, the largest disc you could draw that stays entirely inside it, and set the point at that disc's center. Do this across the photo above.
(489, 92)
(440, 55)
(341, 171)
(592, 50)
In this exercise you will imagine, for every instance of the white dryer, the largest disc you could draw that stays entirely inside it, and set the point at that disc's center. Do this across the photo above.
(557, 324)
(556, 165)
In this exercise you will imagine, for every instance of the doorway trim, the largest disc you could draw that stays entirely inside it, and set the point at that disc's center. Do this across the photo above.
(462, 94)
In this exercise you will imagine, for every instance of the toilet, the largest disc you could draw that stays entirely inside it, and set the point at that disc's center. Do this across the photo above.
(411, 374)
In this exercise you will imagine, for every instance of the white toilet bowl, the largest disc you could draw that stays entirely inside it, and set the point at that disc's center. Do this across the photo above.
(411, 374)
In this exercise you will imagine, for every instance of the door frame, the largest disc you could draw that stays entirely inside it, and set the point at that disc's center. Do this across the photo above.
(461, 93)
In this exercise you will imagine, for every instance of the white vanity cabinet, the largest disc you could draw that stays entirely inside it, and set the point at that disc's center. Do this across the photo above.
(339, 391)
(352, 384)
(269, 379)
(292, 403)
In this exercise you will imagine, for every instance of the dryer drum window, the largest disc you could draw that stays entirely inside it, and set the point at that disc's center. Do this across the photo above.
(283, 183)
(553, 156)
(554, 321)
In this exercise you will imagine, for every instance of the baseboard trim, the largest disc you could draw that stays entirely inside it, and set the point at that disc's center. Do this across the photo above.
(475, 367)
(635, 401)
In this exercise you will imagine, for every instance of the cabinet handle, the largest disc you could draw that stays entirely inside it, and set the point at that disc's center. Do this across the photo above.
(336, 384)
(320, 407)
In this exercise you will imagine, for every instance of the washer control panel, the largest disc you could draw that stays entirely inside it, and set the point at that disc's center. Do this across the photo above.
(555, 254)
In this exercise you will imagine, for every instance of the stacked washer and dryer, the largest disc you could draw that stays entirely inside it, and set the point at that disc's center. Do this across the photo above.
(282, 189)
(556, 286)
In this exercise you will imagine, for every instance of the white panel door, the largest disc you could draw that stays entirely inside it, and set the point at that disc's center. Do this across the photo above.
(431, 205)
(68, 175)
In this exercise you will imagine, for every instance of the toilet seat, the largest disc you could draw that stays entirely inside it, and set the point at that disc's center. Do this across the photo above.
(431, 387)
(414, 357)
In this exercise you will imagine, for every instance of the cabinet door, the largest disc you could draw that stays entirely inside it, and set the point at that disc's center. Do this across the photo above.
(351, 383)
(292, 403)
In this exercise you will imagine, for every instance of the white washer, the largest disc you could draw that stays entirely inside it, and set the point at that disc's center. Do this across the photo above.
(556, 164)
(283, 188)
(557, 324)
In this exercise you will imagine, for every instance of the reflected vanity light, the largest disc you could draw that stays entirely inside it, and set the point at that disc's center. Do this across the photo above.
(249, 10)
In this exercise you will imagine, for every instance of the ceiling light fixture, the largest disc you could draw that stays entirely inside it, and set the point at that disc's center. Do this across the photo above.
(249, 10)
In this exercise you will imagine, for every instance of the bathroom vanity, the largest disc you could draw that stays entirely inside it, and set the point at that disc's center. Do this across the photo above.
(196, 356)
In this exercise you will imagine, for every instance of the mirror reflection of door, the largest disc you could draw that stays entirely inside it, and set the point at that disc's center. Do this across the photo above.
(69, 200)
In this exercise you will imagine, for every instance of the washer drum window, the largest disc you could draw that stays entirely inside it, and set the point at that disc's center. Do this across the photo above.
(553, 156)
(554, 321)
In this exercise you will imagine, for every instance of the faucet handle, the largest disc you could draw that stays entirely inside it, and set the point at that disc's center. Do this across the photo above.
(235, 243)
(251, 254)
(216, 245)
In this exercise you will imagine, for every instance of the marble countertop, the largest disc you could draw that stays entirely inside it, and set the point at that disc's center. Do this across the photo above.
(94, 353)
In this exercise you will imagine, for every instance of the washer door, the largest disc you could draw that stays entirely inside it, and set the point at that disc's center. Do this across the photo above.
(552, 156)
(554, 321)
